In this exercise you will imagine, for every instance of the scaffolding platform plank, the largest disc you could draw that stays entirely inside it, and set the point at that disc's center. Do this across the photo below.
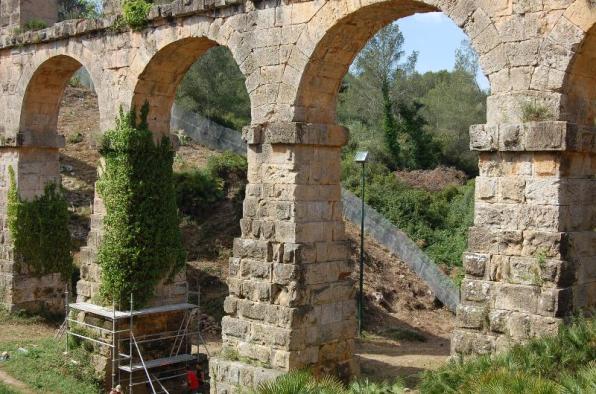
(159, 362)
(109, 314)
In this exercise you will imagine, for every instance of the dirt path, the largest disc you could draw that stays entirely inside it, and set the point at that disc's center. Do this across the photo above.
(14, 383)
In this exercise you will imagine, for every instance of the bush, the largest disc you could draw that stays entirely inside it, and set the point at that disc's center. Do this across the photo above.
(34, 24)
(135, 13)
(39, 230)
(78, 9)
(196, 192)
(437, 221)
(75, 138)
(230, 169)
(142, 243)
(302, 382)
(559, 364)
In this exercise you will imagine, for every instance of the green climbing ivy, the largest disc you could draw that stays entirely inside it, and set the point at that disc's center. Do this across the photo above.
(135, 13)
(39, 230)
(142, 242)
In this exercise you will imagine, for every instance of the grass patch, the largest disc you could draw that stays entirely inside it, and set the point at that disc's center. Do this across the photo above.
(560, 364)
(44, 367)
(4, 389)
(26, 318)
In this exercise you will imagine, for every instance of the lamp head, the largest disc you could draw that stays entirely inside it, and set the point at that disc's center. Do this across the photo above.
(361, 157)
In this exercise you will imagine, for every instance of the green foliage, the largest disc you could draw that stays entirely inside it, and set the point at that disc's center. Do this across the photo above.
(433, 111)
(230, 169)
(198, 190)
(75, 138)
(78, 9)
(142, 241)
(302, 382)
(215, 88)
(367, 386)
(34, 24)
(559, 364)
(45, 368)
(4, 389)
(135, 13)
(39, 230)
(535, 112)
(438, 221)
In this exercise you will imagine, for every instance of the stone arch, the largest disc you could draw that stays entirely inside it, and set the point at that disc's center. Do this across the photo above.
(580, 85)
(160, 78)
(334, 37)
(579, 165)
(42, 97)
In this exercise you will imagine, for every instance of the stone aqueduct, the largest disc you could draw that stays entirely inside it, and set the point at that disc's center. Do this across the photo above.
(532, 249)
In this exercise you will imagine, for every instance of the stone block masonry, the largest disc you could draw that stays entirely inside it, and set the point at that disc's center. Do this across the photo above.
(531, 252)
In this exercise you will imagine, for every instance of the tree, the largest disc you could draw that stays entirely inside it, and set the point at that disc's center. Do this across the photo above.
(453, 104)
(376, 69)
(419, 148)
(215, 87)
(78, 9)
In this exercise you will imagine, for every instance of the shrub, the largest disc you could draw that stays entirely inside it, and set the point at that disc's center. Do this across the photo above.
(230, 169)
(39, 230)
(556, 364)
(75, 138)
(142, 242)
(437, 221)
(34, 24)
(535, 112)
(302, 382)
(196, 192)
(135, 13)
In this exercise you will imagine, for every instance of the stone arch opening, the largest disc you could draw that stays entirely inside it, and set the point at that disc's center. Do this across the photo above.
(333, 54)
(41, 102)
(40, 149)
(165, 84)
(160, 79)
(329, 60)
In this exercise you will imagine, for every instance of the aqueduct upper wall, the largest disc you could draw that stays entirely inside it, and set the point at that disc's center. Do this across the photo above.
(532, 249)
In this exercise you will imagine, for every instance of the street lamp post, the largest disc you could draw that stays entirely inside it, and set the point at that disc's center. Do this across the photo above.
(361, 157)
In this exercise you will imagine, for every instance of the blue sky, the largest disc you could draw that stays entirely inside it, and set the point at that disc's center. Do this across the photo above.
(436, 38)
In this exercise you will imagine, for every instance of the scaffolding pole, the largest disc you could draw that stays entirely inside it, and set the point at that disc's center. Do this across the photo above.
(67, 313)
(130, 325)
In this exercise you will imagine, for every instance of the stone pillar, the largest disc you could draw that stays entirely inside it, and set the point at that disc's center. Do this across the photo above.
(534, 208)
(16, 13)
(291, 303)
(35, 165)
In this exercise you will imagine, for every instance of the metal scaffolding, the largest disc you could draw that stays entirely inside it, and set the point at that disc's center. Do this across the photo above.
(117, 339)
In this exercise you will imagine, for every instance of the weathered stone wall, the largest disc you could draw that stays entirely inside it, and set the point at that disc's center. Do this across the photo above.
(531, 249)
(19, 288)
(16, 13)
